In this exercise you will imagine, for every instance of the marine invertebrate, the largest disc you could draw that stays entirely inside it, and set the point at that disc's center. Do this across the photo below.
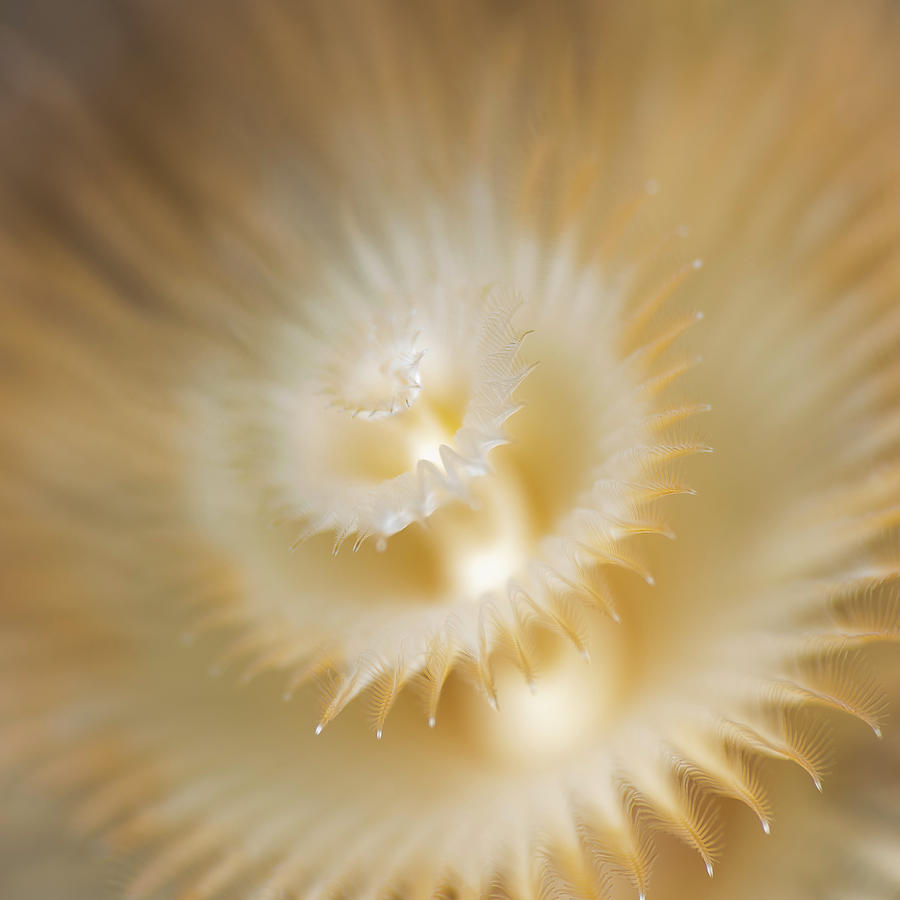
(396, 394)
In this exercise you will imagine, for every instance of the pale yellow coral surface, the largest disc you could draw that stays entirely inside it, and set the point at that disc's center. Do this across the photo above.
(449, 450)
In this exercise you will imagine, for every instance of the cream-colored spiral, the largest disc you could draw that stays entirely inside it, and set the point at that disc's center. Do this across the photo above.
(450, 450)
